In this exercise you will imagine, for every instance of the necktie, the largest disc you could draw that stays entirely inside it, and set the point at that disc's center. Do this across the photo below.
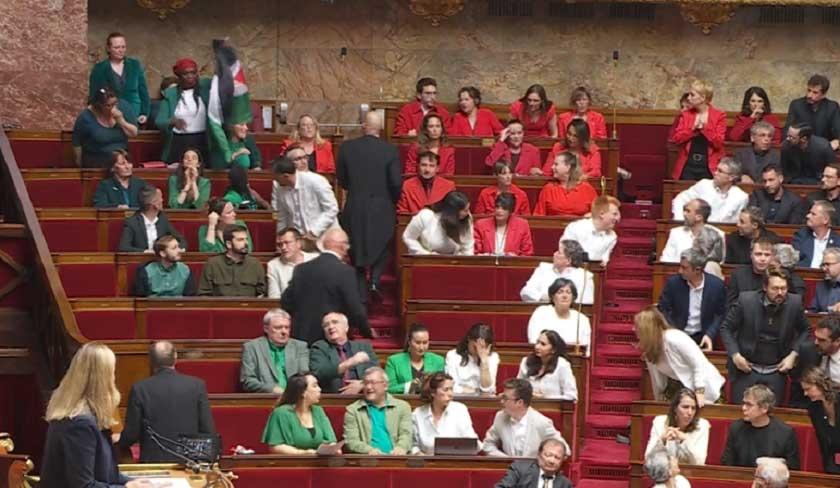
(342, 356)
(827, 367)
(547, 480)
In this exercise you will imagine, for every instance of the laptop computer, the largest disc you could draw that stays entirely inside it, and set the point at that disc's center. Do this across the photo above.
(456, 446)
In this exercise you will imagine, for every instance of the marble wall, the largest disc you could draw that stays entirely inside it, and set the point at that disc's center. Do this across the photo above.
(292, 53)
(43, 65)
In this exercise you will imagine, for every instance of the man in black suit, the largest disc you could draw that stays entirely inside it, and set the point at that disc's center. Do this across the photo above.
(750, 277)
(369, 170)
(749, 228)
(805, 155)
(778, 205)
(337, 362)
(324, 285)
(829, 190)
(814, 109)
(539, 473)
(762, 333)
(141, 230)
(760, 154)
(168, 402)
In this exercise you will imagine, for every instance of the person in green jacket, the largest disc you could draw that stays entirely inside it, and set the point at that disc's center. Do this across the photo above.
(240, 193)
(101, 128)
(124, 75)
(378, 423)
(298, 425)
(182, 114)
(188, 188)
(220, 214)
(122, 189)
(241, 149)
(406, 369)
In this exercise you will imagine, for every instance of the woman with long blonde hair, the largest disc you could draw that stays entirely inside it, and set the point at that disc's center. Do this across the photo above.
(81, 413)
(672, 354)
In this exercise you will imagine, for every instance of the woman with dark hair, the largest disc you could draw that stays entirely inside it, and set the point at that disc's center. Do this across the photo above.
(699, 134)
(825, 415)
(473, 364)
(122, 189)
(182, 114)
(577, 141)
(298, 425)
(103, 127)
(754, 108)
(439, 416)
(471, 119)
(523, 158)
(220, 214)
(486, 201)
(548, 369)
(559, 316)
(319, 151)
(241, 148)
(444, 227)
(240, 193)
(503, 234)
(536, 112)
(188, 188)
(432, 138)
(568, 193)
(581, 102)
(682, 432)
(406, 369)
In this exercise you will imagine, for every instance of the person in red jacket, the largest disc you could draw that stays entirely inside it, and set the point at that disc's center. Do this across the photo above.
(411, 114)
(503, 234)
(424, 189)
(577, 141)
(471, 119)
(581, 102)
(567, 194)
(700, 133)
(432, 138)
(486, 201)
(522, 157)
(536, 112)
(307, 136)
(755, 107)
(684, 105)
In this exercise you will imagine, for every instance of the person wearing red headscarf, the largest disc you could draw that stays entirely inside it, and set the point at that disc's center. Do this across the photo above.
(182, 116)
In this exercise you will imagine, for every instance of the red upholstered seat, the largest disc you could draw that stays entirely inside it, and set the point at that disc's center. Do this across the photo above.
(88, 280)
(336, 416)
(55, 192)
(245, 323)
(468, 282)
(452, 325)
(70, 235)
(220, 376)
(241, 425)
(470, 160)
(115, 227)
(145, 150)
(179, 324)
(39, 154)
(545, 242)
(106, 324)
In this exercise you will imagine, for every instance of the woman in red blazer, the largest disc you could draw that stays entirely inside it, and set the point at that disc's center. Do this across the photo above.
(567, 194)
(486, 201)
(581, 101)
(503, 234)
(577, 141)
(699, 133)
(522, 157)
(755, 107)
(432, 138)
(307, 135)
(471, 119)
(536, 112)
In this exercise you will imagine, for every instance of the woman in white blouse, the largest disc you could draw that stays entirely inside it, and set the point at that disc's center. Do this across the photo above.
(439, 416)
(671, 353)
(548, 369)
(473, 363)
(573, 327)
(444, 227)
(682, 432)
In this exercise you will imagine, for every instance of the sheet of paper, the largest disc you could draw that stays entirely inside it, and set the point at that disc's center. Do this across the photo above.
(170, 482)
(268, 119)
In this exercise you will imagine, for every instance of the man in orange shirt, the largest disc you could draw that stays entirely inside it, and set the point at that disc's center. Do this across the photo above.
(425, 188)
(411, 114)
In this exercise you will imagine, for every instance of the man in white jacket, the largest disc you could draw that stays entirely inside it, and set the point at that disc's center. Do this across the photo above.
(721, 192)
(303, 200)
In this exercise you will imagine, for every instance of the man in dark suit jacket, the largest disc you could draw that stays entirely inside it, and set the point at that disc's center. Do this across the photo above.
(168, 402)
(694, 301)
(762, 333)
(337, 362)
(814, 109)
(535, 473)
(827, 292)
(753, 159)
(829, 190)
(269, 361)
(369, 170)
(817, 227)
(135, 237)
(324, 285)
(778, 205)
(749, 228)
(804, 155)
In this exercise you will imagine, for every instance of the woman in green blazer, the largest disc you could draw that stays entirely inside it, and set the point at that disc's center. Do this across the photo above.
(220, 214)
(298, 425)
(124, 75)
(405, 370)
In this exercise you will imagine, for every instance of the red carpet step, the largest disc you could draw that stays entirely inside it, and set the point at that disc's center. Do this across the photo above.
(605, 459)
(616, 333)
(612, 402)
(619, 290)
(606, 427)
(609, 378)
(620, 355)
(622, 313)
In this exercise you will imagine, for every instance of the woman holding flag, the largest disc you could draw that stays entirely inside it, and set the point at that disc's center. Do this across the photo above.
(182, 116)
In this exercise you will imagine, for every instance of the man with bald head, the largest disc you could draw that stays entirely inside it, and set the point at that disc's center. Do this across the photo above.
(369, 170)
(169, 403)
(325, 284)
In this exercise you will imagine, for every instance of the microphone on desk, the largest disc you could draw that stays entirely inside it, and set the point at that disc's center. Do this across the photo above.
(191, 464)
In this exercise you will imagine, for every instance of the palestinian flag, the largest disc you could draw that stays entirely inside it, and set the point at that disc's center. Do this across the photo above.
(229, 102)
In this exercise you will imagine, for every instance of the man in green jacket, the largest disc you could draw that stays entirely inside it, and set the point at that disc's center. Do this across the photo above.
(378, 424)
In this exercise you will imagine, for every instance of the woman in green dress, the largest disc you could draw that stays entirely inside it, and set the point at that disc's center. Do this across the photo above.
(240, 193)
(298, 425)
(406, 369)
(220, 214)
(188, 188)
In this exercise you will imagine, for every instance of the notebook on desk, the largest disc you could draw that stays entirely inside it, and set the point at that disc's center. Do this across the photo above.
(456, 446)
